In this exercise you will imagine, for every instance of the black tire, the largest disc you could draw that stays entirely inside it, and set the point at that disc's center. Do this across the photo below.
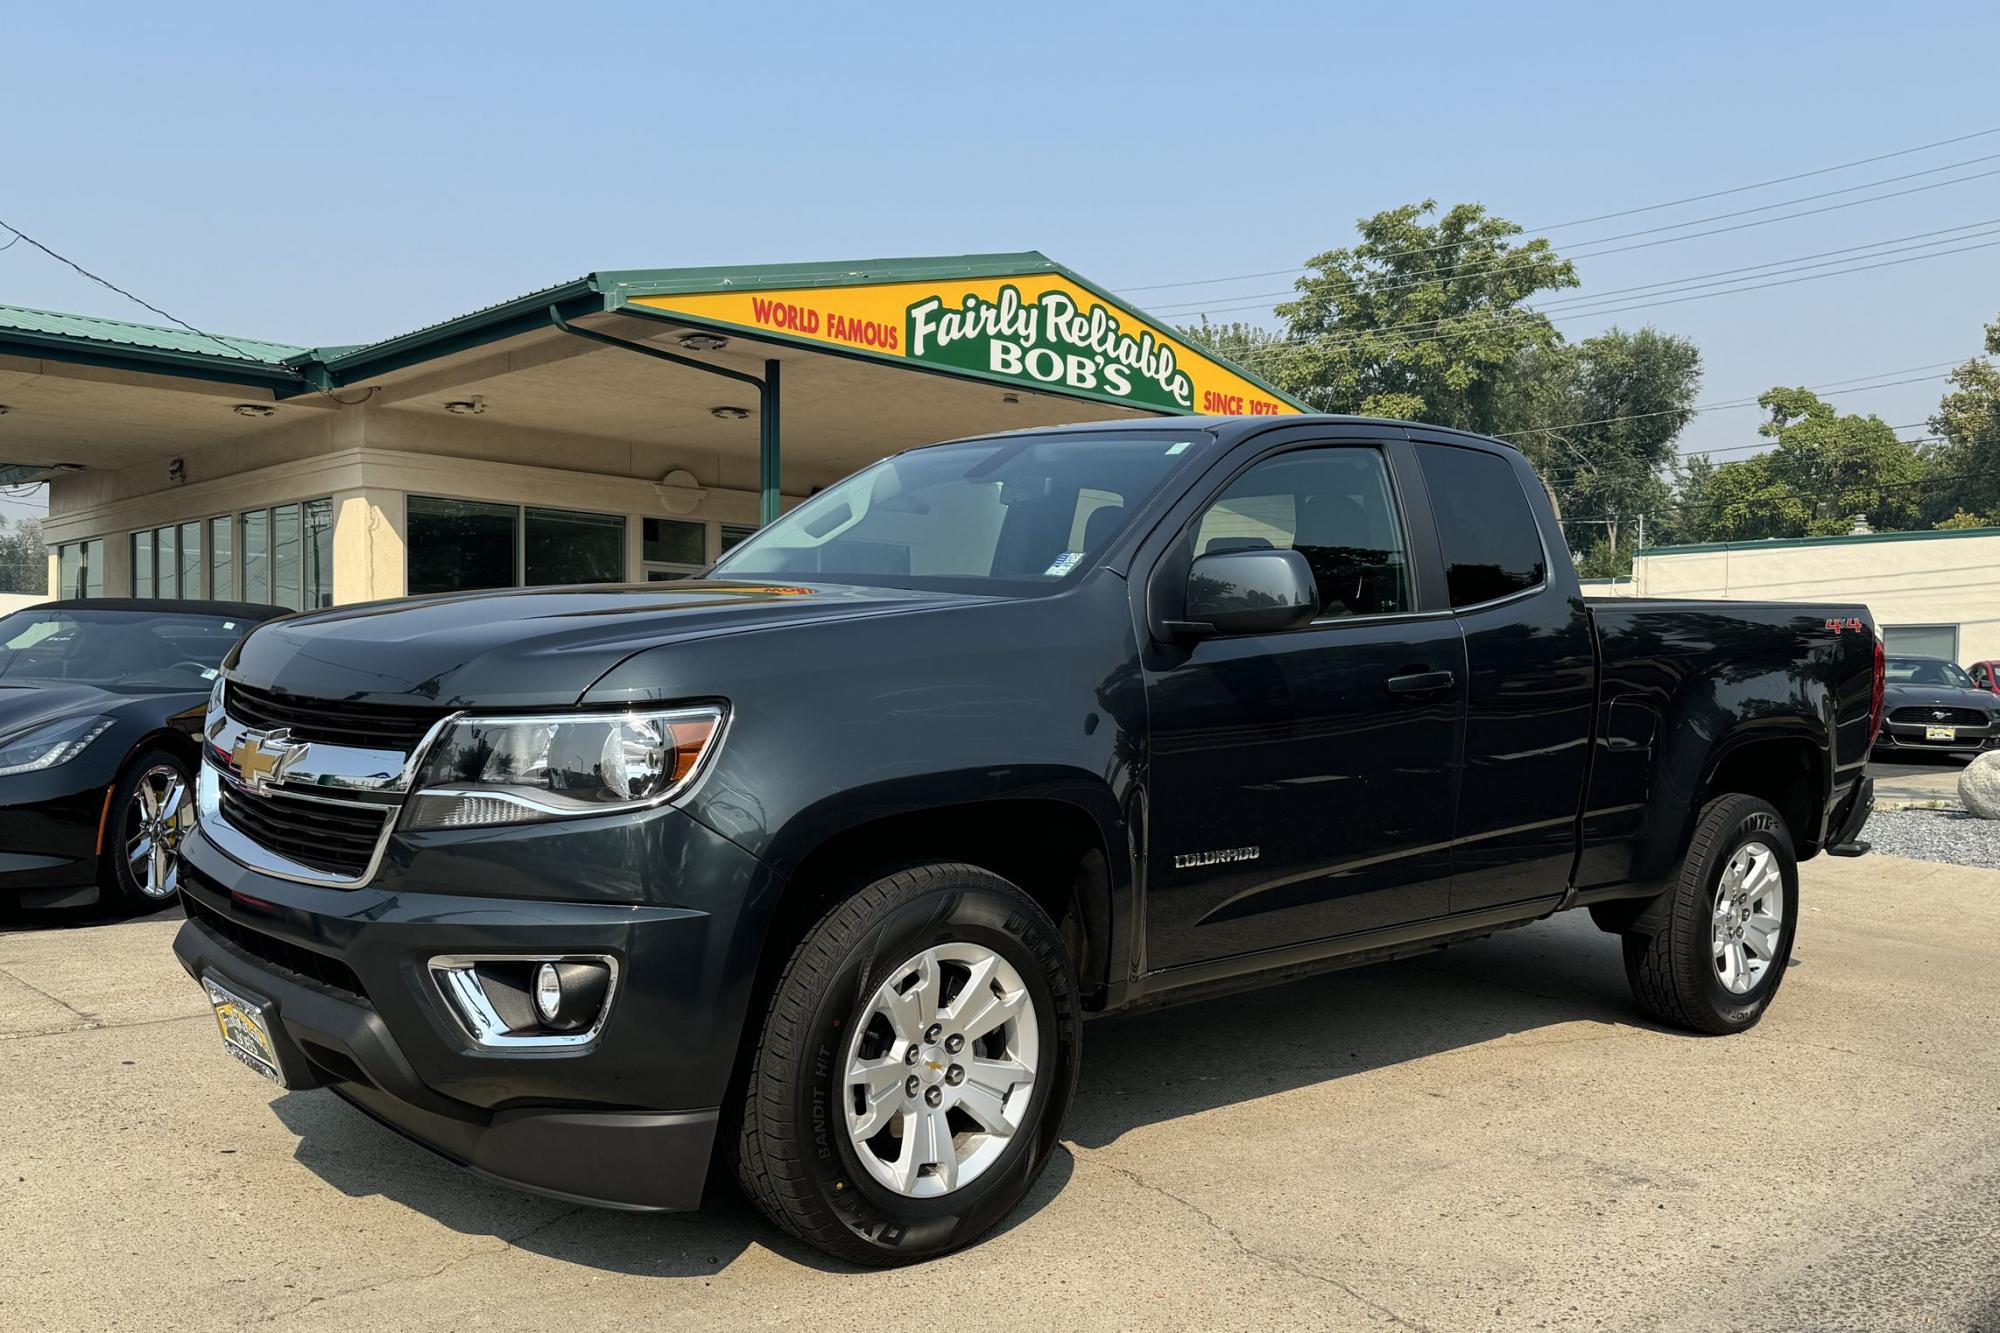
(792, 1152)
(1673, 970)
(121, 888)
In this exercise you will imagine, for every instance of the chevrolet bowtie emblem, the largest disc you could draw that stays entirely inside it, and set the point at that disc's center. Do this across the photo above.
(261, 757)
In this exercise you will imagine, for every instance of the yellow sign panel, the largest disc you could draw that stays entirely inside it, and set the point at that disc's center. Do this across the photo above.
(1041, 331)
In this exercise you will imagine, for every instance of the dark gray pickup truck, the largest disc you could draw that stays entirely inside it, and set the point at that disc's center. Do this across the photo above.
(819, 863)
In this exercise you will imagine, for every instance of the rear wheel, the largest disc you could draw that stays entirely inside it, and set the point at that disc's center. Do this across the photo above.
(151, 811)
(1721, 952)
(913, 1069)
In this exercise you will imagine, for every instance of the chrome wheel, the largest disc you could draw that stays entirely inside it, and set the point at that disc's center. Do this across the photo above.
(940, 1070)
(155, 822)
(1749, 917)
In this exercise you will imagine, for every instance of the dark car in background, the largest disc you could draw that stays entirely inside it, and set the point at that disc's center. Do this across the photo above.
(100, 704)
(1932, 705)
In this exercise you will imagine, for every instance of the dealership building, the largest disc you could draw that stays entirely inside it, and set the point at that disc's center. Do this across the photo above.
(1935, 593)
(624, 427)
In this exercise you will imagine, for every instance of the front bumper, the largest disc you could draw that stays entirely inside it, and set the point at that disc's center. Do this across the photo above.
(627, 1121)
(48, 840)
(1913, 736)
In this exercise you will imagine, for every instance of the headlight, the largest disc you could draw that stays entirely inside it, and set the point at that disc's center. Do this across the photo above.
(56, 743)
(509, 770)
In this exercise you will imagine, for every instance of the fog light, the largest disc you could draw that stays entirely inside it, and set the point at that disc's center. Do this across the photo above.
(548, 992)
(527, 1003)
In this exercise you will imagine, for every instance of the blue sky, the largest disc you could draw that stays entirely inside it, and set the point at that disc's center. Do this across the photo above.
(339, 173)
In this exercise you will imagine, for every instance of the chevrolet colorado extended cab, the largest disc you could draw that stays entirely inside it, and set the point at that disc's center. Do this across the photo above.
(818, 863)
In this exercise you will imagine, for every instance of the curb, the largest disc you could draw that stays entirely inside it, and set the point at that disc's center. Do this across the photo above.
(1911, 803)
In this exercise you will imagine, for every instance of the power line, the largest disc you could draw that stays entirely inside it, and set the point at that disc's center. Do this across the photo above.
(1601, 217)
(1251, 303)
(1477, 320)
(1565, 307)
(1518, 260)
(20, 235)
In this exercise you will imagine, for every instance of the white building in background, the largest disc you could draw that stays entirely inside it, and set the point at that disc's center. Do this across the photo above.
(1934, 593)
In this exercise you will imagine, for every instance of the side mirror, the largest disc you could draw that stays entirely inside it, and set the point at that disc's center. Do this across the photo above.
(1248, 592)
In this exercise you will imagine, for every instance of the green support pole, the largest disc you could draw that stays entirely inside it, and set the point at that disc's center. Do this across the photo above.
(767, 444)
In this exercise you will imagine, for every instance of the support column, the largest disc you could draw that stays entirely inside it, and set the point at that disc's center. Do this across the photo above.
(767, 444)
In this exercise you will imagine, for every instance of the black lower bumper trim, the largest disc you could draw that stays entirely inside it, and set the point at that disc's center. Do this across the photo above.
(615, 1158)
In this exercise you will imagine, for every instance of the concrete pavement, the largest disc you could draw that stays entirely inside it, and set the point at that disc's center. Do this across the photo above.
(1930, 784)
(1486, 1138)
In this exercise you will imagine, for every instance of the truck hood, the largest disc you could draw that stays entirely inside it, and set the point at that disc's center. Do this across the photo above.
(528, 647)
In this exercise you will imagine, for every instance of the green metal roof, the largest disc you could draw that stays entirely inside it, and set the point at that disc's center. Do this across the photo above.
(119, 333)
(1845, 539)
(288, 370)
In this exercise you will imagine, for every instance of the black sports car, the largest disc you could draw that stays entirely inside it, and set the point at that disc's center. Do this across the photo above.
(100, 704)
(1929, 703)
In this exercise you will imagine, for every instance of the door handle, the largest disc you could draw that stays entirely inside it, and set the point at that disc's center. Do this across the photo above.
(1421, 682)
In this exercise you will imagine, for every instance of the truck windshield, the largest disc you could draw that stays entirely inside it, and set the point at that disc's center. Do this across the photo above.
(1015, 515)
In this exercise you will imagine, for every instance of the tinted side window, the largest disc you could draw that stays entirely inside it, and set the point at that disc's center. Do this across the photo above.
(1333, 506)
(1491, 545)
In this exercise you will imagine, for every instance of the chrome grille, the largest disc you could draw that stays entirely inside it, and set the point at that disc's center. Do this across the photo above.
(330, 721)
(335, 839)
(1927, 716)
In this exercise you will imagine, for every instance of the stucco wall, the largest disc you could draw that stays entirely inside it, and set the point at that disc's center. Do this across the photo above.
(368, 460)
(1930, 578)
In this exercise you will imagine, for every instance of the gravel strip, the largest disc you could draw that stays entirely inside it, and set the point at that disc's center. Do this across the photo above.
(1935, 835)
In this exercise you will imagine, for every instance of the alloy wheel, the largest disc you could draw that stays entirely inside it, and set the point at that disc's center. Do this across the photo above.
(1749, 917)
(941, 1070)
(156, 821)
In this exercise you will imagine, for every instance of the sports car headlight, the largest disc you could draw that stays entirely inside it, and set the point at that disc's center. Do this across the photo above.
(510, 770)
(56, 743)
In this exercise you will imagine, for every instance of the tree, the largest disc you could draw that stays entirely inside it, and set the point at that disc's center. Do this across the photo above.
(1423, 320)
(1236, 341)
(1599, 420)
(1824, 470)
(24, 560)
(1968, 464)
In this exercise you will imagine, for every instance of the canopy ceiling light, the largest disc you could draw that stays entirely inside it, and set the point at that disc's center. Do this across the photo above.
(254, 410)
(729, 413)
(466, 407)
(704, 342)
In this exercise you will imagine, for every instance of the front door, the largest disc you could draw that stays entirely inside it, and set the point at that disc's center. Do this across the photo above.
(1301, 784)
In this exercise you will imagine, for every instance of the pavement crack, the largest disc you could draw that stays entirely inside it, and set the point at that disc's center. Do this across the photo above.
(52, 999)
(478, 1251)
(98, 1025)
(1248, 1251)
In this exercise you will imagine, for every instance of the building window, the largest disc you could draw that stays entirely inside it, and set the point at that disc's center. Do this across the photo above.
(80, 568)
(460, 544)
(673, 548)
(1922, 640)
(142, 564)
(221, 558)
(732, 534)
(318, 554)
(286, 550)
(256, 556)
(563, 546)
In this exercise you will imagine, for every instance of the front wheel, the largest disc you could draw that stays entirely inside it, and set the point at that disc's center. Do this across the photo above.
(913, 1068)
(1721, 952)
(151, 810)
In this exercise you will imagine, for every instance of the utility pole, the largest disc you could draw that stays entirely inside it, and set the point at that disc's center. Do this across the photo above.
(1642, 534)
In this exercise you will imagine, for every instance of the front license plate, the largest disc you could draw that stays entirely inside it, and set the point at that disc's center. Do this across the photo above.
(245, 1032)
(1940, 733)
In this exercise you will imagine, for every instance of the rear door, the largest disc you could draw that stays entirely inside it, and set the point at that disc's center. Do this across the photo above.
(1531, 675)
(1301, 783)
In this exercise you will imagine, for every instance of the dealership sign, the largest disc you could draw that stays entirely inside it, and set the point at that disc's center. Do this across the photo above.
(1041, 331)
